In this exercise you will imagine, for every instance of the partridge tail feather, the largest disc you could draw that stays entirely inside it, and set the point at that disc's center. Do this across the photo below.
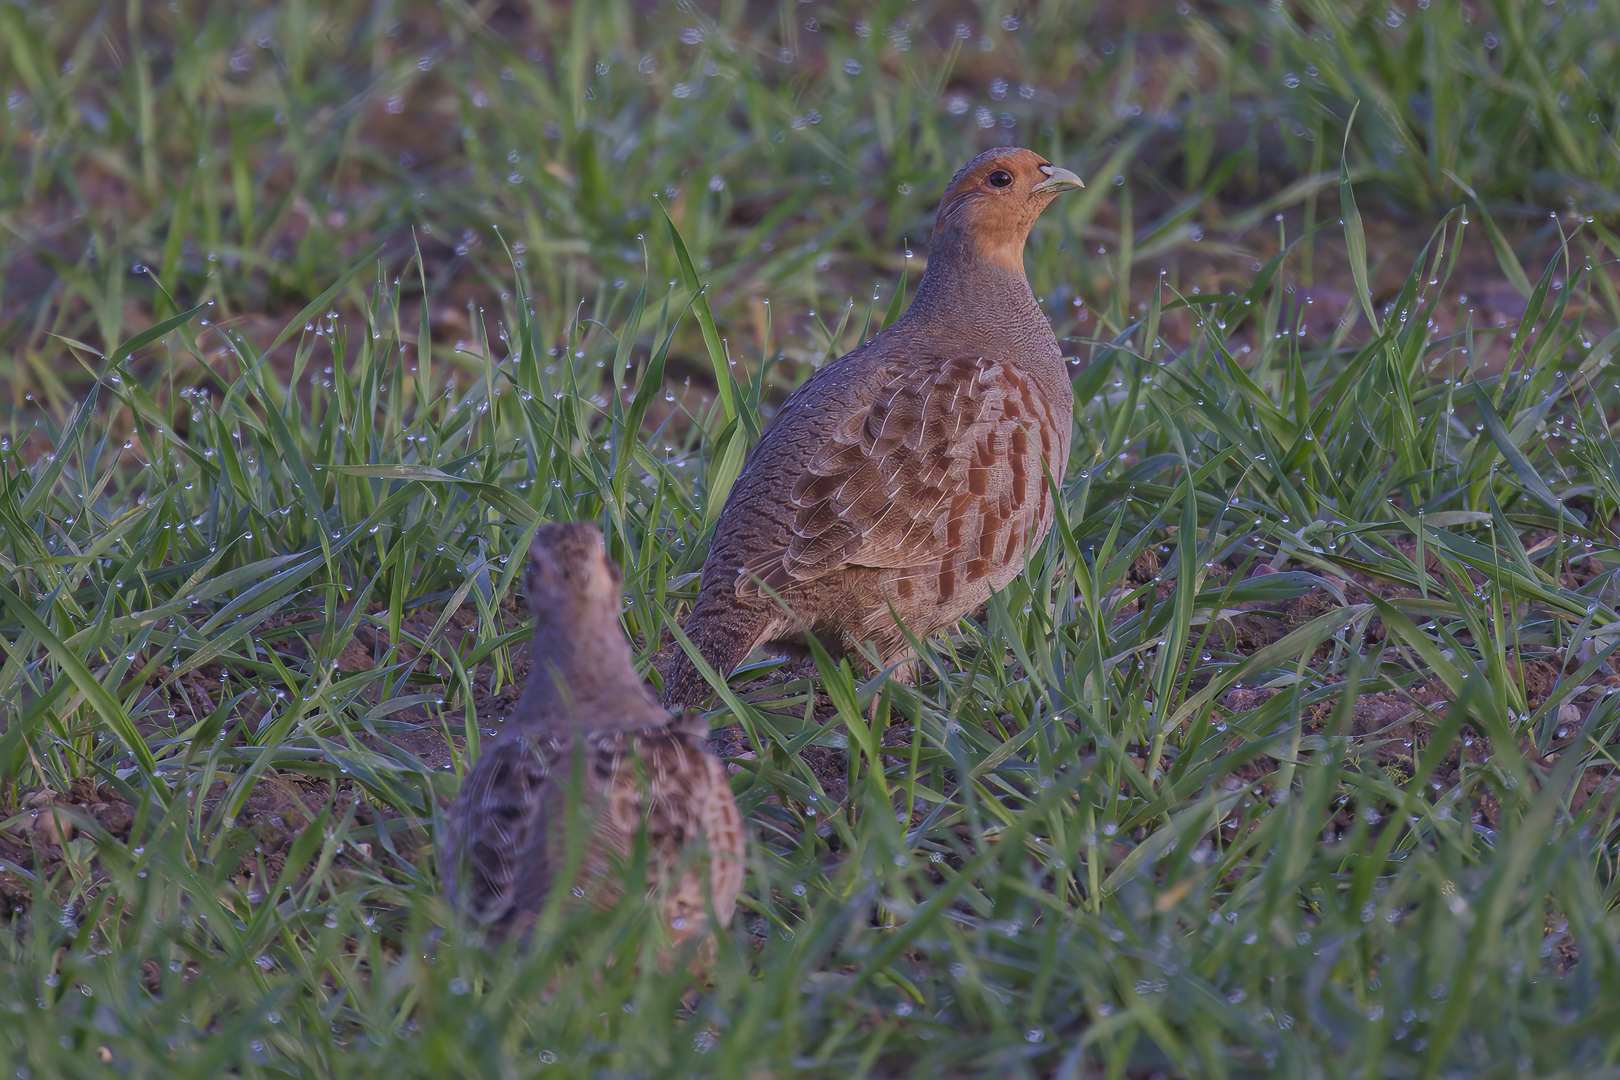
(724, 634)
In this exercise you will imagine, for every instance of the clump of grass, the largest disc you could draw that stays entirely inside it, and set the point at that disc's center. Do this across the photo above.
(1514, 101)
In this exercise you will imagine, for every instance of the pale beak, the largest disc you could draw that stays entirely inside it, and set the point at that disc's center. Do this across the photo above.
(1057, 180)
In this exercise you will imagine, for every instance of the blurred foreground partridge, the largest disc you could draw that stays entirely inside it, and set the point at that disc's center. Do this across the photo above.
(907, 478)
(589, 745)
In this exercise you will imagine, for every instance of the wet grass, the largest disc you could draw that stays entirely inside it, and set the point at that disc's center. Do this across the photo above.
(1293, 752)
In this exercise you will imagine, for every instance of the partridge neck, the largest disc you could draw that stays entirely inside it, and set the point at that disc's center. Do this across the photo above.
(972, 299)
(582, 676)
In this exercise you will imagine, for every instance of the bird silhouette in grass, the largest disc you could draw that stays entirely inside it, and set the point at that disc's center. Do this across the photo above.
(905, 481)
(589, 747)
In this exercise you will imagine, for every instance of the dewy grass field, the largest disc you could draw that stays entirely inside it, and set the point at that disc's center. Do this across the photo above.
(1293, 751)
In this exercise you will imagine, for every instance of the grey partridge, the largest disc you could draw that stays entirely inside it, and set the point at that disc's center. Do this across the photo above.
(905, 481)
(587, 738)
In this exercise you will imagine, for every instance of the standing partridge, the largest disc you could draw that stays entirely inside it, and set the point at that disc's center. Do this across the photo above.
(907, 479)
(589, 745)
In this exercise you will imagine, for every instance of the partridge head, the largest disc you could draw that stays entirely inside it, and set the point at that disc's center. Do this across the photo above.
(991, 205)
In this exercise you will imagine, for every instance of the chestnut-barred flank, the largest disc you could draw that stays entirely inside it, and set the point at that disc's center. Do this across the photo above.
(905, 481)
(643, 769)
(946, 452)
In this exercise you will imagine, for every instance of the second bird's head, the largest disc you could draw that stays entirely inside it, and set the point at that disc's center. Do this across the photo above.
(992, 203)
(569, 576)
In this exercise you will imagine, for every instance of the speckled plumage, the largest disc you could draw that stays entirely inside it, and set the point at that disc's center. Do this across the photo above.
(588, 744)
(908, 478)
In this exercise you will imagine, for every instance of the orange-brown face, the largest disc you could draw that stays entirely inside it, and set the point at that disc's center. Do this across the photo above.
(994, 201)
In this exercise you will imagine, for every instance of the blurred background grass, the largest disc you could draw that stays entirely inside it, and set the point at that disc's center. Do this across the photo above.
(1292, 753)
(243, 153)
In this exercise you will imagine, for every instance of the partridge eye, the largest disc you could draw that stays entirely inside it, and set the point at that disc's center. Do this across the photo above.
(1000, 178)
